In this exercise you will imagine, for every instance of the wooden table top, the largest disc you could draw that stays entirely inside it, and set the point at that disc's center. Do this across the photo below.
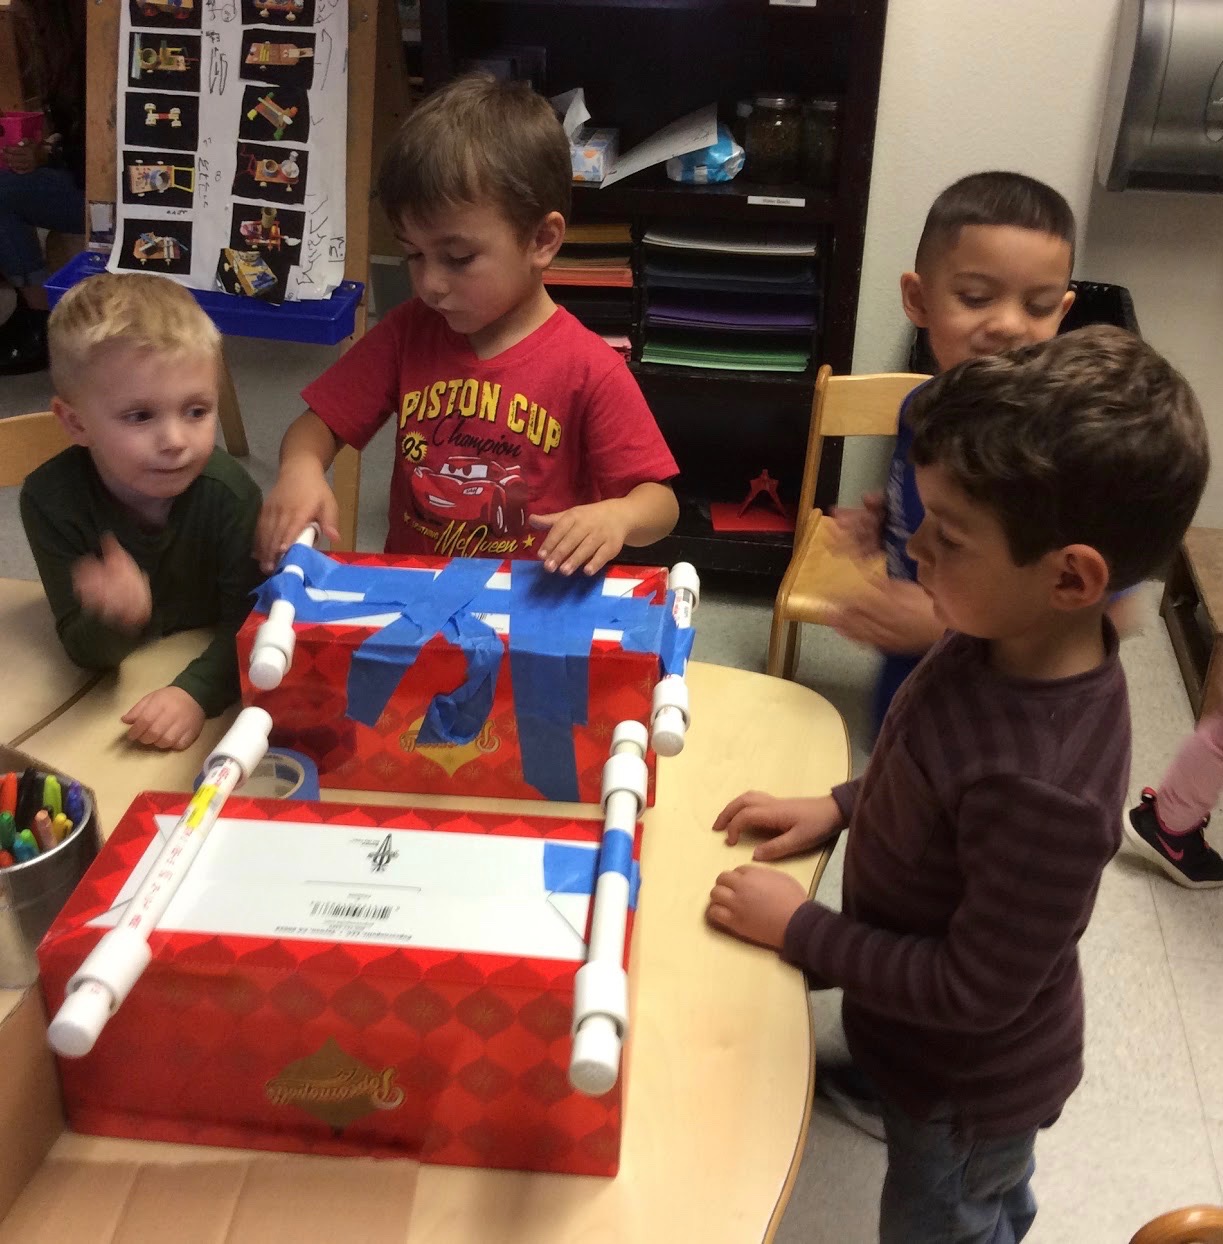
(721, 1056)
(36, 677)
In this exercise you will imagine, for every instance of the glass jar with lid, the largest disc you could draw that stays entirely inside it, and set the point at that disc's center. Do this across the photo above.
(820, 142)
(774, 139)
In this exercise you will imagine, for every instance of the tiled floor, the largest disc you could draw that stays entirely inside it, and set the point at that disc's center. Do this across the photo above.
(1144, 1133)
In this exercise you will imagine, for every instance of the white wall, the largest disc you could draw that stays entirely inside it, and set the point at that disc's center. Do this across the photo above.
(975, 84)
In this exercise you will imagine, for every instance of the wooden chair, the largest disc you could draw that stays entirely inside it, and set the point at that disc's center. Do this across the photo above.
(26, 442)
(1199, 1224)
(818, 576)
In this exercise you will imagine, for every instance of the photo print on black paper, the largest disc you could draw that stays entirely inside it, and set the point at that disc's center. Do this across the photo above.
(275, 114)
(282, 57)
(166, 62)
(167, 14)
(159, 178)
(160, 119)
(274, 12)
(156, 246)
(277, 174)
(274, 231)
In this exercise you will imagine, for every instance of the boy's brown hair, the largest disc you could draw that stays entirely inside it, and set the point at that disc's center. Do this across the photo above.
(135, 309)
(476, 140)
(1090, 438)
(994, 198)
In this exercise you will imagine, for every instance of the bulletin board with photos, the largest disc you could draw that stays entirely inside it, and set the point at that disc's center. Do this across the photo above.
(231, 144)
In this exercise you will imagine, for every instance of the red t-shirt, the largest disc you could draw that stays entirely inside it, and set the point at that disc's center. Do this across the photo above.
(553, 422)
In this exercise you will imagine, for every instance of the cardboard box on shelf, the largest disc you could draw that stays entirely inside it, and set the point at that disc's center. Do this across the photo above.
(334, 979)
(464, 676)
(593, 151)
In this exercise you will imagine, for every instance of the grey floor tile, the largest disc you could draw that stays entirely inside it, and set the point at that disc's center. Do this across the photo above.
(1137, 1056)
(836, 1194)
(1125, 917)
(1102, 1171)
(1199, 993)
(1215, 1131)
(1192, 920)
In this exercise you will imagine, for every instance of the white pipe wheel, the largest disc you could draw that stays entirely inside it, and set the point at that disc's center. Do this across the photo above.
(594, 1065)
(79, 1021)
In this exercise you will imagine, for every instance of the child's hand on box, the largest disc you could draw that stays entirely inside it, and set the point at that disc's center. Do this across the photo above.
(859, 532)
(300, 496)
(755, 904)
(168, 718)
(892, 615)
(113, 587)
(791, 826)
(586, 535)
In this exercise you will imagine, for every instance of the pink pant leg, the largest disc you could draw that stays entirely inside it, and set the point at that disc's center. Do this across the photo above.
(1191, 785)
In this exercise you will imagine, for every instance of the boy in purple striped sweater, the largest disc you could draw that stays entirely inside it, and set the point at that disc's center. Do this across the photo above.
(1051, 477)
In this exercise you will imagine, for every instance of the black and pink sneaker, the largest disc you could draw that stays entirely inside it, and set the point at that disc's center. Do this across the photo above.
(1187, 858)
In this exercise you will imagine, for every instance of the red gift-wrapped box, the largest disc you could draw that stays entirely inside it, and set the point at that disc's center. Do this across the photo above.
(348, 980)
(573, 658)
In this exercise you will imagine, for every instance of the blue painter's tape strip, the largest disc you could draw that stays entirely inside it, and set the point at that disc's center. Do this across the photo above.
(571, 869)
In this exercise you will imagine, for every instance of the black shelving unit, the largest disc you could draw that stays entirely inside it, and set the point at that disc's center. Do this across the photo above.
(643, 63)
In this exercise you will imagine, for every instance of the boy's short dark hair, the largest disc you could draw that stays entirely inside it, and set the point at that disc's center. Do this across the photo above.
(995, 198)
(476, 140)
(1090, 438)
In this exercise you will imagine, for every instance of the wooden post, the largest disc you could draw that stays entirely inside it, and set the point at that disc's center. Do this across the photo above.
(12, 94)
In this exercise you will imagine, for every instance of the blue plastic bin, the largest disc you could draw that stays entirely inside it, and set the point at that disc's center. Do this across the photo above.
(323, 322)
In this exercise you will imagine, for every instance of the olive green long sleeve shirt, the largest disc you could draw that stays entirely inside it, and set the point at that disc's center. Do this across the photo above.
(199, 564)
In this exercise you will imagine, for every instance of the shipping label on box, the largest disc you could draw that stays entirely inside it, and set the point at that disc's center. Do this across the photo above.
(348, 980)
(466, 676)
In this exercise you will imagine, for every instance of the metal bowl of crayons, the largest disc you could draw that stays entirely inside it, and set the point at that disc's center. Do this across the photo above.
(54, 839)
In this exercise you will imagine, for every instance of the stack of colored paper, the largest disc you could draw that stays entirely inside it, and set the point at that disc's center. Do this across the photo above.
(592, 277)
(731, 299)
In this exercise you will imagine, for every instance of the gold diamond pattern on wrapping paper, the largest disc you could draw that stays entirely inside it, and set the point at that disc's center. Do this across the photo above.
(450, 757)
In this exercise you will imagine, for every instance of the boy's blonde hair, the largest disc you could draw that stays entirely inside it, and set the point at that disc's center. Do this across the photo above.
(134, 309)
(475, 140)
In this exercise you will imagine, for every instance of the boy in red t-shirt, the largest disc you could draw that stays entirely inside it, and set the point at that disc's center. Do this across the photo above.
(520, 433)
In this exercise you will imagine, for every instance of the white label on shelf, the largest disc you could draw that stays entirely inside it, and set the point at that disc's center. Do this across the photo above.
(774, 200)
(794, 4)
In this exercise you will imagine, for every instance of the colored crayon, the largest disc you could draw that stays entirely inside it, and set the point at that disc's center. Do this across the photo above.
(42, 830)
(52, 797)
(24, 847)
(8, 793)
(8, 830)
(61, 827)
(6, 859)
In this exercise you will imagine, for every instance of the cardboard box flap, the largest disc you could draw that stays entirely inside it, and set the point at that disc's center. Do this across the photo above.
(249, 1200)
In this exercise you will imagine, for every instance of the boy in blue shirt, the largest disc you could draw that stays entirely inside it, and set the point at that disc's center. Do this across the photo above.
(992, 272)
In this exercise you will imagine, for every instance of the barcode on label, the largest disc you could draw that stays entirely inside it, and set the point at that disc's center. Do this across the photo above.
(352, 911)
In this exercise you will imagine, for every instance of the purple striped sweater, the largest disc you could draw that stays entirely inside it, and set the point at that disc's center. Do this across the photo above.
(977, 837)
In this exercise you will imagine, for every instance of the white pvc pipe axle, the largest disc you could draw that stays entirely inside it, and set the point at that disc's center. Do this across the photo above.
(99, 986)
(669, 717)
(272, 653)
(600, 994)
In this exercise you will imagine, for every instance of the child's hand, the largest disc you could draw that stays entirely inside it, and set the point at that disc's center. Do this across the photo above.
(113, 587)
(586, 535)
(168, 718)
(755, 904)
(892, 615)
(859, 532)
(299, 497)
(792, 825)
(25, 157)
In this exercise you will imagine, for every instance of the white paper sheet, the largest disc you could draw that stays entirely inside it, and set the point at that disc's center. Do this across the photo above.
(698, 129)
(482, 893)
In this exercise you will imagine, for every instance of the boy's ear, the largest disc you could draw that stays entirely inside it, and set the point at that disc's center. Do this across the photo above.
(913, 299)
(1082, 578)
(547, 239)
(70, 421)
(1067, 303)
